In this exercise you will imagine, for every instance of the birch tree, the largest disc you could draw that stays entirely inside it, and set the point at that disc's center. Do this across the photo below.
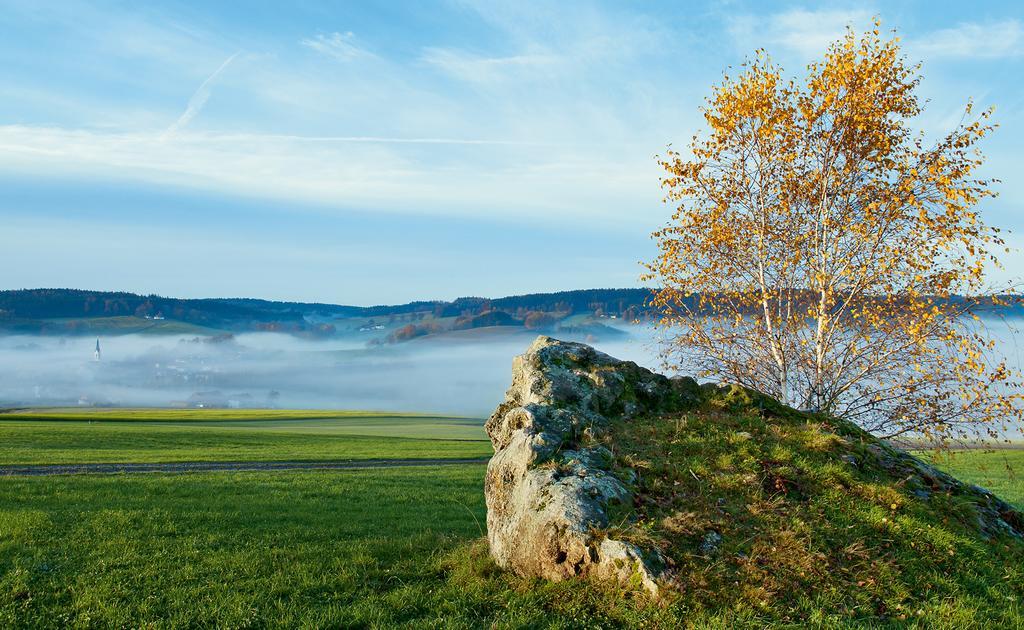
(823, 251)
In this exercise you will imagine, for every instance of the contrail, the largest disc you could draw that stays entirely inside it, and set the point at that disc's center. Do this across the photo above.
(195, 104)
(379, 139)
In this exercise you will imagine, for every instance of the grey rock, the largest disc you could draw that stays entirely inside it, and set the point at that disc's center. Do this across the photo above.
(550, 482)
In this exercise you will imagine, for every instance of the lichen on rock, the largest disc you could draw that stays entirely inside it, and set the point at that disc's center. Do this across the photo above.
(550, 482)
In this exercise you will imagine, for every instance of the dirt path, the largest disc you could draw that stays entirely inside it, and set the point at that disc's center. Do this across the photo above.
(185, 467)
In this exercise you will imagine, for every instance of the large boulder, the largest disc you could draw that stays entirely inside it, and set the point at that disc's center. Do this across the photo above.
(550, 483)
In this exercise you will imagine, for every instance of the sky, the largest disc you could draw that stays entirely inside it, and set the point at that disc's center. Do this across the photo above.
(382, 152)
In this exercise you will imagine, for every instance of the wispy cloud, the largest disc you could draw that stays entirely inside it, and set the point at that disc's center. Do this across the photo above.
(992, 40)
(806, 33)
(387, 140)
(480, 69)
(520, 111)
(198, 100)
(387, 174)
(338, 46)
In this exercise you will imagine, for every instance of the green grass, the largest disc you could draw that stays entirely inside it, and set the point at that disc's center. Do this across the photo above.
(806, 537)
(999, 471)
(129, 324)
(233, 550)
(379, 549)
(63, 437)
(159, 414)
(382, 549)
(402, 547)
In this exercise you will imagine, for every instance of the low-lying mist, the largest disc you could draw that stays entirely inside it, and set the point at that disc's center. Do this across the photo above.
(443, 375)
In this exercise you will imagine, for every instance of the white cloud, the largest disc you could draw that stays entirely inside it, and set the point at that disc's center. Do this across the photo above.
(338, 46)
(534, 147)
(806, 33)
(479, 69)
(566, 42)
(992, 40)
(521, 181)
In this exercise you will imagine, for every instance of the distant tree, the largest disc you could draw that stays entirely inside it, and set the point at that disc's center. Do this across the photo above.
(411, 331)
(822, 252)
(536, 320)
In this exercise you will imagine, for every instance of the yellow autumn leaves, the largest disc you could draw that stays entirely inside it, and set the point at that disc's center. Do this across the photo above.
(820, 252)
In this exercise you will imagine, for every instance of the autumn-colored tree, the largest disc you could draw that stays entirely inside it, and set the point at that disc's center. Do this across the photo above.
(537, 320)
(825, 253)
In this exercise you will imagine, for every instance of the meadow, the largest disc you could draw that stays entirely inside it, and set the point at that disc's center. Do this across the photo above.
(138, 435)
(999, 470)
(360, 548)
(125, 325)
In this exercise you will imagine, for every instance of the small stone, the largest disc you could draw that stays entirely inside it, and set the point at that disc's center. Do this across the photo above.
(709, 545)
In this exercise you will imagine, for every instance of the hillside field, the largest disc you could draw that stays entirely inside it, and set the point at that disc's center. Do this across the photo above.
(129, 324)
(362, 548)
(65, 436)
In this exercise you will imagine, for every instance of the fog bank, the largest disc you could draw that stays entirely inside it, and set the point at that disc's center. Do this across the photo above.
(447, 374)
(459, 374)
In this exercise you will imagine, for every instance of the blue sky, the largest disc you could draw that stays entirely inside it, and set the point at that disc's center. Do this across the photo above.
(368, 153)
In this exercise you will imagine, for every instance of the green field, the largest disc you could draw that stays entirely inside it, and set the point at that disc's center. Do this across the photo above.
(231, 549)
(129, 324)
(158, 414)
(1001, 471)
(360, 548)
(120, 436)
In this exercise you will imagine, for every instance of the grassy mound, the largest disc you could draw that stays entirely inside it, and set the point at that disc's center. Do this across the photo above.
(771, 516)
(804, 508)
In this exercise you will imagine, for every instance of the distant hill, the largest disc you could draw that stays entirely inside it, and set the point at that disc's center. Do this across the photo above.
(483, 320)
(76, 311)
